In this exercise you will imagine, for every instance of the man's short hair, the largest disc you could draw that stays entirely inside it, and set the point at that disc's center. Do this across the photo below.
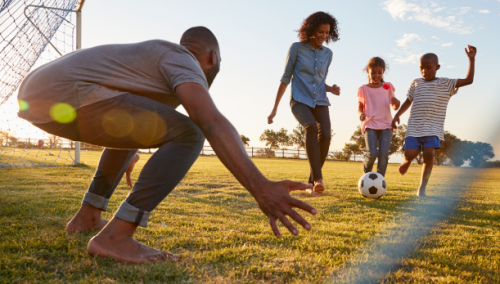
(430, 56)
(200, 36)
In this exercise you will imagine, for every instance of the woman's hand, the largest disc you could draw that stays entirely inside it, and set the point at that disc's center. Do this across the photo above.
(271, 116)
(335, 90)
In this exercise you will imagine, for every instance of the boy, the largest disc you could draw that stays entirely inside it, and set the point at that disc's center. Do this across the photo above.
(430, 96)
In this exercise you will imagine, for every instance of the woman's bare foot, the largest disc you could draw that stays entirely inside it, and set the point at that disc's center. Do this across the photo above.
(88, 218)
(404, 167)
(318, 188)
(116, 241)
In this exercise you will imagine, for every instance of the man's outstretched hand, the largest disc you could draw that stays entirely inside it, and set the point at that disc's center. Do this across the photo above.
(275, 201)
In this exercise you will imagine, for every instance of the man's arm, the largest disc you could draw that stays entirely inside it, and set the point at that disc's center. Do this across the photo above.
(471, 54)
(273, 197)
(402, 110)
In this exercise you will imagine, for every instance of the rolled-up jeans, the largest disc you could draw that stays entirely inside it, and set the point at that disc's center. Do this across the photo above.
(383, 138)
(316, 122)
(124, 124)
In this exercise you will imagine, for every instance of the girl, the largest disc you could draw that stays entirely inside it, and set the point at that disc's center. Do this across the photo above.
(374, 109)
(306, 67)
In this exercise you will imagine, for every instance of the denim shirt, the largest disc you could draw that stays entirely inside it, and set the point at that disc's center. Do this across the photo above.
(307, 69)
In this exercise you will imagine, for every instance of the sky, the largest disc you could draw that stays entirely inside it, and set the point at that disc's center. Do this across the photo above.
(255, 36)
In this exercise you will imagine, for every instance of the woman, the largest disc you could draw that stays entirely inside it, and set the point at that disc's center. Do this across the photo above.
(307, 63)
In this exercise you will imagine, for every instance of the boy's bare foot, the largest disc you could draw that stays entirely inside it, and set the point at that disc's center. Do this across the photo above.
(404, 167)
(421, 194)
(88, 218)
(116, 241)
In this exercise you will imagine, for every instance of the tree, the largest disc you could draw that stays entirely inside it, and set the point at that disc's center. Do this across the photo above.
(339, 155)
(359, 139)
(54, 141)
(396, 144)
(7, 137)
(398, 140)
(459, 151)
(480, 152)
(275, 139)
(298, 137)
(352, 149)
(245, 140)
(442, 154)
(262, 153)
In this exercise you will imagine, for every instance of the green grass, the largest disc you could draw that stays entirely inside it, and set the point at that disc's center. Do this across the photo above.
(214, 224)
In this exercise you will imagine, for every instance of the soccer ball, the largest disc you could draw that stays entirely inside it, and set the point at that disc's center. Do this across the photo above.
(372, 185)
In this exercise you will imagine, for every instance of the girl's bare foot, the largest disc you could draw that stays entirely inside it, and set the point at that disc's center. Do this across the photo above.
(88, 218)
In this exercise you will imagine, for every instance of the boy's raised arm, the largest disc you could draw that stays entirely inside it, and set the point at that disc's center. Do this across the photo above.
(471, 53)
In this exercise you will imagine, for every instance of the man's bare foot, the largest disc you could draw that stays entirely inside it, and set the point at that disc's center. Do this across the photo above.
(116, 241)
(404, 167)
(88, 218)
(126, 249)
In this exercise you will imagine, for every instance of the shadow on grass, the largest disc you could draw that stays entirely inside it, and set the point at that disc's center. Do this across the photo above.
(416, 220)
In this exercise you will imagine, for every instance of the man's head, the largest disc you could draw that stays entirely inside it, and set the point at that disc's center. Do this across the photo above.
(202, 43)
(429, 65)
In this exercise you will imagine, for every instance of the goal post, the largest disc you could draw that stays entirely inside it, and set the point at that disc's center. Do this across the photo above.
(32, 33)
(78, 12)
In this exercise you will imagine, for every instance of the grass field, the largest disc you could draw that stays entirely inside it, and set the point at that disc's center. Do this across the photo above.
(453, 236)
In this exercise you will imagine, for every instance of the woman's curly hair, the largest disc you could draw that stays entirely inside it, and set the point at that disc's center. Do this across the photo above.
(312, 23)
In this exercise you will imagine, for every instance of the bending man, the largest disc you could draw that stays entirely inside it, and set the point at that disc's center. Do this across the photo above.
(123, 96)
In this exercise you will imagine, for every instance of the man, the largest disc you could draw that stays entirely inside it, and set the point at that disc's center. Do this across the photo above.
(124, 96)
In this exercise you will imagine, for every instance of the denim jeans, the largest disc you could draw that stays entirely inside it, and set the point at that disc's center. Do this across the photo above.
(124, 124)
(383, 138)
(316, 122)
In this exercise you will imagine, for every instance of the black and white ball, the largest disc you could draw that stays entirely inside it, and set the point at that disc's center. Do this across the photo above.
(372, 185)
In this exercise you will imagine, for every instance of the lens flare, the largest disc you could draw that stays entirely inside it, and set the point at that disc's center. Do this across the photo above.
(149, 128)
(62, 113)
(23, 105)
(117, 123)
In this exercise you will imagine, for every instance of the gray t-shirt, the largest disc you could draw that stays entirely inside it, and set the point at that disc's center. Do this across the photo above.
(150, 69)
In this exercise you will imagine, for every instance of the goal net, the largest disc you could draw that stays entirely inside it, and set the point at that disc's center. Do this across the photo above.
(32, 33)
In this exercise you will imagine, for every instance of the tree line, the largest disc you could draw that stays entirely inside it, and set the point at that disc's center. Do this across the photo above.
(454, 151)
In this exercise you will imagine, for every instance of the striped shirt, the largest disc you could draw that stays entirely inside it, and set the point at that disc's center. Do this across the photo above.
(428, 111)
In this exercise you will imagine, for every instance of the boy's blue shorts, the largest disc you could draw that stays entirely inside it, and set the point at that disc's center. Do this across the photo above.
(425, 142)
